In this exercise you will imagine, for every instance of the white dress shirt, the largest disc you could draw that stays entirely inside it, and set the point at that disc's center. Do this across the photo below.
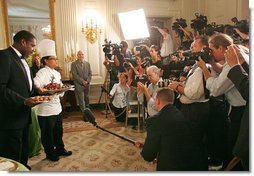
(152, 92)
(194, 88)
(167, 46)
(222, 85)
(120, 95)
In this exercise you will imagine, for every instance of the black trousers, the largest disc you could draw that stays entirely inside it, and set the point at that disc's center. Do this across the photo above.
(14, 144)
(218, 131)
(197, 114)
(120, 114)
(51, 133)
(235, 116)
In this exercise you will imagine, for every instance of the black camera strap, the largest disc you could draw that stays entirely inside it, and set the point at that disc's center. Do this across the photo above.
(206, 91)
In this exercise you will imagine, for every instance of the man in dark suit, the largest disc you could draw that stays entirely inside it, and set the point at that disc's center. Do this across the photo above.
(16, 87)
(239, 75)
(169, 137)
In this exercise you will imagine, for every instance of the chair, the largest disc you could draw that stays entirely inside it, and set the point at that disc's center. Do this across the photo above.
(134, 109)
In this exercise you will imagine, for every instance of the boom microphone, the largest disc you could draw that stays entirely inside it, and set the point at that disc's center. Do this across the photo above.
(89, 116)
(91, 119)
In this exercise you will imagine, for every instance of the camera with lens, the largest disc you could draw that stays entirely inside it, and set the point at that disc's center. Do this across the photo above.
(139, 48)
(176, 27)
(199, 23)
(142, 78)
(147, 61)
(242, 41)
(242, 26)
(205, 54)
(164, 83)
(129, 60)
(142, 49)
(167, 60)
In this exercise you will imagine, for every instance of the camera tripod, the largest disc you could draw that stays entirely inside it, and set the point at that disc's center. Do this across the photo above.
(105, 89)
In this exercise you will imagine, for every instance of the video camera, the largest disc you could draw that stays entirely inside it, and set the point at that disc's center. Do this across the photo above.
(213, 27)
(176, 27)
(205, 54)
(199, 23)
(111, 48)
(240, 25)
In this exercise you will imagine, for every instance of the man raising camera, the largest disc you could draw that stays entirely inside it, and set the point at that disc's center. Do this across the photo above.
(119, 56)
(194, 102)
(153, 73)
(221, 85)
(115, 66)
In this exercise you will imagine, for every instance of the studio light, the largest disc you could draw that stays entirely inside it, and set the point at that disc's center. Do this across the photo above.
(133, 24)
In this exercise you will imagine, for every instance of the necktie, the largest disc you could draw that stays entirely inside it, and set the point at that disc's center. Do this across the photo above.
(191, 72)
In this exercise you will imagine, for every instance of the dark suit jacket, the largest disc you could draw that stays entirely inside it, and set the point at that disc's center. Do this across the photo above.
(169, 139)
(239, 76)
(79, 74)
(14, 89)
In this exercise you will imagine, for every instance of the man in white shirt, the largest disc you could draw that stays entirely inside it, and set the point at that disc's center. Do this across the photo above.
(220, 84)
(149, 92)
(167, 42)
(194, 101)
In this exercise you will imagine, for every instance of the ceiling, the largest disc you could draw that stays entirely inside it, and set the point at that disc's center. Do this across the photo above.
(28, 9)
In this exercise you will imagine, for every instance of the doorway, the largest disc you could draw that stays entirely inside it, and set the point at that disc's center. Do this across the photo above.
(162, 22)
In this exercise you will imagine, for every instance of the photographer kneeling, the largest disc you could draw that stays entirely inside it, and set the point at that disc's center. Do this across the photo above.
(119, 92)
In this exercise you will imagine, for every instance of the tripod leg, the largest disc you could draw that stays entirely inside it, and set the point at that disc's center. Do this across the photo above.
(106, 85)
(108, 107)
(100, 97)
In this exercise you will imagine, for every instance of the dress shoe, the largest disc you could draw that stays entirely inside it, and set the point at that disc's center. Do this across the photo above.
(64, 153)
(52, 157)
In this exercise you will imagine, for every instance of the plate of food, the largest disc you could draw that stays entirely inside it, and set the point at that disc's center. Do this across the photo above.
(56, 88)
(43, 99)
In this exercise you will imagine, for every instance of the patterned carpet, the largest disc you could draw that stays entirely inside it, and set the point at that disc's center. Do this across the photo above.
(94, 149)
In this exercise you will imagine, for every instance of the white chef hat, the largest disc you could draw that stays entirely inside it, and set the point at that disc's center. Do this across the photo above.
(46, 47)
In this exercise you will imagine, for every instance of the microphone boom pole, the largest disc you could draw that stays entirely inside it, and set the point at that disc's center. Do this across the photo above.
(91, 119)
(122, 137)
